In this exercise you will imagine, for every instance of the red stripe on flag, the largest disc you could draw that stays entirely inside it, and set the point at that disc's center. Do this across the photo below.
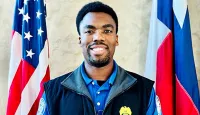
(164, 75)
(13, 32)
(184, 103)
(20, 80)
(14, 92)
(34, 108)
(27, 72)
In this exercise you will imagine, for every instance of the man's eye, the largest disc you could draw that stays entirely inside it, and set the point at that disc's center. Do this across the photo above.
(89, 32)
(107, 31)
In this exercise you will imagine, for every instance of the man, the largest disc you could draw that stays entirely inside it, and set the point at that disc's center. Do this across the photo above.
(99, 86)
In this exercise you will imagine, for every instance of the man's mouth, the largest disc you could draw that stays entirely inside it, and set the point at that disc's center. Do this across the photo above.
(98, 50)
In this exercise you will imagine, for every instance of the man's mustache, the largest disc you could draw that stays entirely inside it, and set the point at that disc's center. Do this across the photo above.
(98, 43)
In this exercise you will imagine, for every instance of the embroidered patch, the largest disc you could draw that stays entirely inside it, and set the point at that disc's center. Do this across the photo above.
(125, 111)
(158, 105)
(42, 107)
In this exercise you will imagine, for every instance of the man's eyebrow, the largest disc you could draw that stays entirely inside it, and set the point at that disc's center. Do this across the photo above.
(93, 27)
(89, 27)
(108, 25)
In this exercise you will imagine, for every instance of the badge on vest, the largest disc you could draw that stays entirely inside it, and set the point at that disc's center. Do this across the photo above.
(125, 111)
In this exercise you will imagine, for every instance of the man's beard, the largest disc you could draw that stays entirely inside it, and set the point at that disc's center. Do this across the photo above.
(99, 62)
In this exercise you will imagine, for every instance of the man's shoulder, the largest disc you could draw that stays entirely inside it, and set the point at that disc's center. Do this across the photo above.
(56, 82)
(141, 79)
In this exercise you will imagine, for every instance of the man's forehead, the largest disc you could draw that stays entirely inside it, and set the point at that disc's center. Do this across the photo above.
(99, 19)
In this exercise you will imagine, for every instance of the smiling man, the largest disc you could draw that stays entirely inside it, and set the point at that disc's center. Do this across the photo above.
(99, 86)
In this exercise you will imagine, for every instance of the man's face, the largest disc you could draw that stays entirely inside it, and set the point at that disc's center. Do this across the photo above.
(98, 38)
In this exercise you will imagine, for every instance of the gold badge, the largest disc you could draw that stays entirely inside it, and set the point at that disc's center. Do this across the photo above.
(125, 111)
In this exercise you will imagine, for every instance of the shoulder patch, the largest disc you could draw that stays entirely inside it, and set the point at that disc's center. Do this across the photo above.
(158, 105)
(42, 107)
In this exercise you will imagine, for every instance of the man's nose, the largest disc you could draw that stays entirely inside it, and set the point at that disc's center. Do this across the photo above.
(98, 36)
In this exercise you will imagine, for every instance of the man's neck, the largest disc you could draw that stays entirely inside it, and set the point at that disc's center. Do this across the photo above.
(101, 73)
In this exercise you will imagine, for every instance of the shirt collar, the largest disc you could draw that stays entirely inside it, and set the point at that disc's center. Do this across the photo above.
(84, 75)
(114, 73)
(111, 78)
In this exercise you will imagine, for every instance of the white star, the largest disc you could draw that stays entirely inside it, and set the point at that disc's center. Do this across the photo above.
(26, 17)
(30, 53)
(40, 31)
(25, 2)
(38, 14)
(45, 2)
(27, 35)
(21, 11)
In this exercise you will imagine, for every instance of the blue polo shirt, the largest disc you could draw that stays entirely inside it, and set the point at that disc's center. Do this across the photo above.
(99, 93)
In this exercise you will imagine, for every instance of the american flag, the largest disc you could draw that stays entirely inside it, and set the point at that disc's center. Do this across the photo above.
(170, 61)
(29, 67)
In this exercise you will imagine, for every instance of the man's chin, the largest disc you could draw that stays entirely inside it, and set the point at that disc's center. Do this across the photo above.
(99, 62)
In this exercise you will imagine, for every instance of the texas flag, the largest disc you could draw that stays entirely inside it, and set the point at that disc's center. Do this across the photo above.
(170, 61)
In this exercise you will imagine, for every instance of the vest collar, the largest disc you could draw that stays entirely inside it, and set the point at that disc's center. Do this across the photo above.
(122, 82)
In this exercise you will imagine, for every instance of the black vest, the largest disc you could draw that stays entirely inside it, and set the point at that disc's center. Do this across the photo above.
(68, 95)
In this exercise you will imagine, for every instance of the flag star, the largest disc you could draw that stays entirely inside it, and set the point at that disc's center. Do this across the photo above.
(25, 2)
(45, 2)
(30, 53)
(28, 35)
(40, 31)
(21, 11)
(26, 17)
(38, 14)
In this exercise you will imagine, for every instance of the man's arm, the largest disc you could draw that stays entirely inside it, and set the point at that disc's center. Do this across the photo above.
(154, 107)
(43, 109)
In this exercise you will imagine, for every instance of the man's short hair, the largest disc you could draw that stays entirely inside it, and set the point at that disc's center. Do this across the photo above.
(95, 7)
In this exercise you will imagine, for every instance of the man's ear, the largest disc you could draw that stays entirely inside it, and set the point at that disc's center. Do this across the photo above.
(79, 38)
(117, 42)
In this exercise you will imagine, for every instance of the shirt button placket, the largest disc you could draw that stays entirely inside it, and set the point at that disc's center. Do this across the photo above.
(93, 83)
(98, 103)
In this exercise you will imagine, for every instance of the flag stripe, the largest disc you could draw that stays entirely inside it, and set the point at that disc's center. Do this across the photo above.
(33, 110)
(12, 34)
(27, 71)
(164, 75)
(29, 96)
(16, 56)
(185, 105)
(19, 82)
(14, 96)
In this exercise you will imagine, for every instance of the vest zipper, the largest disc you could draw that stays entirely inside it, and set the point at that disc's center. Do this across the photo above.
(85, 96)
(90, 102)
(118, 95)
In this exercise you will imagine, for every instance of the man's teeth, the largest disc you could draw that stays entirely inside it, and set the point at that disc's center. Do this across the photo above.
(97, 49)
